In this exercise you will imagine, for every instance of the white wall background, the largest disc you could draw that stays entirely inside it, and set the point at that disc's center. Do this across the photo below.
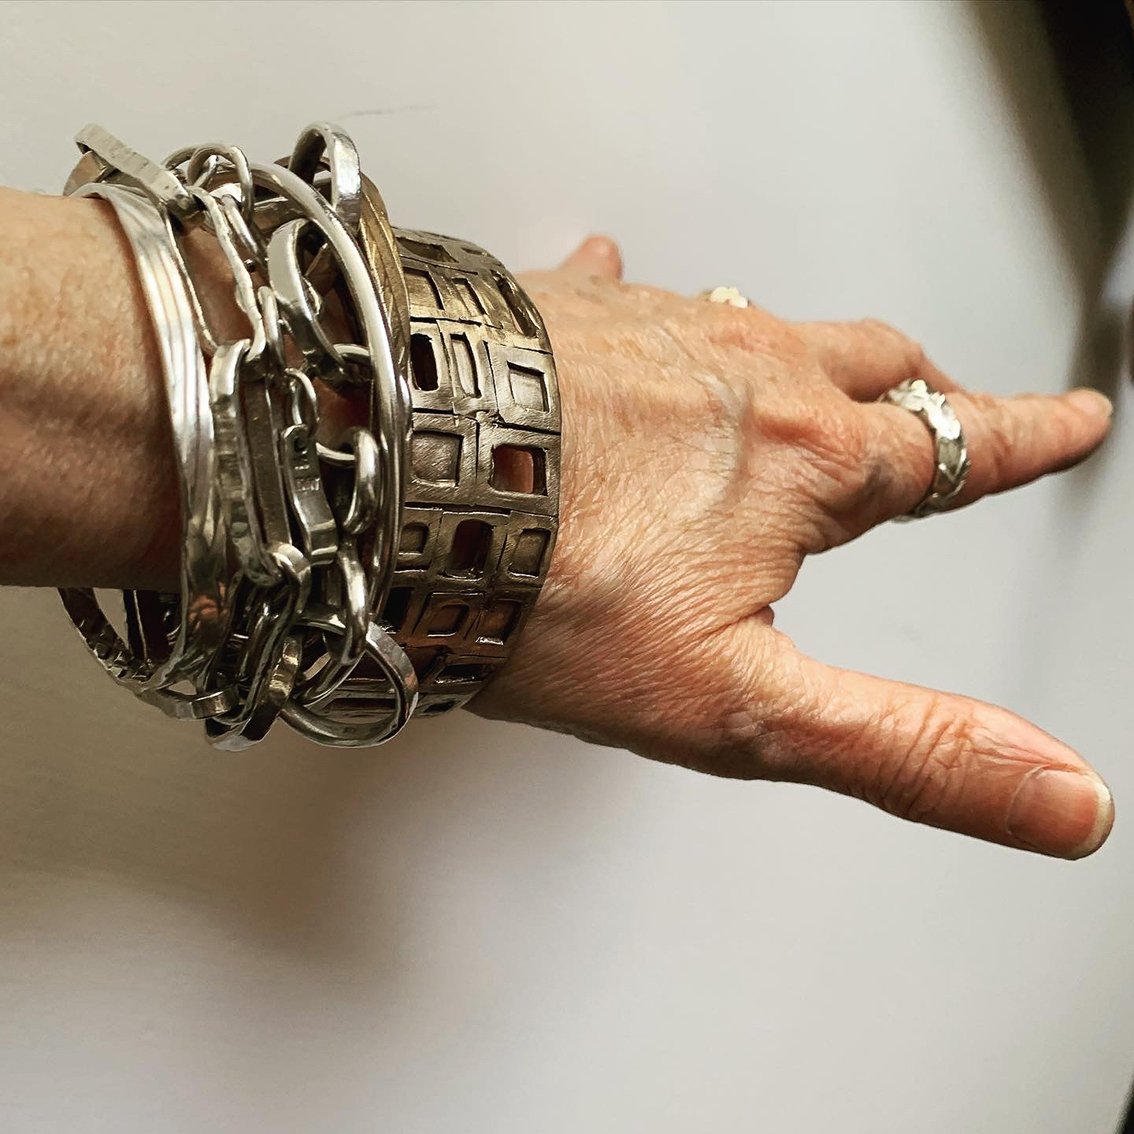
(488, 929)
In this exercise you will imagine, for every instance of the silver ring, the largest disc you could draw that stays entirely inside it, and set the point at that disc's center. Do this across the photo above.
(730, 296)
(951, 464)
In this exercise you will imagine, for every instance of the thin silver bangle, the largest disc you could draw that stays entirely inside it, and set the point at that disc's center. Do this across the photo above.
(204, 607)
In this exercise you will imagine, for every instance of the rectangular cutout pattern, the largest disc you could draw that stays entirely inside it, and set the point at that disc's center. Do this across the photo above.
(499, 621)
(528, 552)
(423, 362)
(529, 388)
(472, 542)
(422, 290)
(483, 477)
(516, 305)
(435, 458)
(519, 468)
(464, 362)
(471, 300)
(425, 251)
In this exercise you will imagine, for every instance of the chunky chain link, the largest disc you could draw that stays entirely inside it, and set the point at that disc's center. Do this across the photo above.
(309, 527)
(355, 546)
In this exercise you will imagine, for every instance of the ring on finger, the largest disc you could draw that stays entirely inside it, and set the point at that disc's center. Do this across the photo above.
(727, 295)
(951, 455)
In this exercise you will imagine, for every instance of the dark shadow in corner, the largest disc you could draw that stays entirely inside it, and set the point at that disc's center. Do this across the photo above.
(1067, 72)
(1067, 68)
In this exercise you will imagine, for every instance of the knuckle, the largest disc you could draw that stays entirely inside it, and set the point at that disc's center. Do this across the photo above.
(826, 432)
(838, 446)
(873, 469)
(820, 426)
(740, 744)
(845, 469)
(743, 731)
(881, 327)
(753, 331)
(927, 775)
(999, 435)
(912, 352)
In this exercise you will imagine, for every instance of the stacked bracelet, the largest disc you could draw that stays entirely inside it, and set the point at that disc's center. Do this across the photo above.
(339, 580)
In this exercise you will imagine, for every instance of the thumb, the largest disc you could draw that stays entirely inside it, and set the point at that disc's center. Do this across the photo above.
(950, 762)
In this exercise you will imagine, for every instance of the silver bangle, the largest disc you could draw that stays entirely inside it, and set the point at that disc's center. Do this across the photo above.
(305, 593)
(202, 609)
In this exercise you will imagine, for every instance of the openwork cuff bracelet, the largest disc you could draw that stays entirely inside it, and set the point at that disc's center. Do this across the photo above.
(340, 575)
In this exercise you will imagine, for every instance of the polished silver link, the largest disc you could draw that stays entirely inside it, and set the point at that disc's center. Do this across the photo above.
(221, 155)
(349, 593)
(154, 180)
(389, 389)
(309, 505)
(365, 499)
(365, 720)
(352, 590)
(322, 143)
(234, 465)
(270, 665)
(244, 286)
(951, 463)
(302, 399)
(247, 238)
(390, 412)
(273, 327)
(270, 699)
(354, 604)
(287, 281)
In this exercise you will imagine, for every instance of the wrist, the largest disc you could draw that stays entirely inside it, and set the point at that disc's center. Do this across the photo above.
(86, 497)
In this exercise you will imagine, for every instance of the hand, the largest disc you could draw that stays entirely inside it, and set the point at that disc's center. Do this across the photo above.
(706, 451)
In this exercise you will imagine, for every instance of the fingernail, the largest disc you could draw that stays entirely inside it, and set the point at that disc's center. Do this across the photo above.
(1091, 401)
(1062, 813)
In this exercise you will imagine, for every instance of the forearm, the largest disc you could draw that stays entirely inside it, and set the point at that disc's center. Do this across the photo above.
(86, 496)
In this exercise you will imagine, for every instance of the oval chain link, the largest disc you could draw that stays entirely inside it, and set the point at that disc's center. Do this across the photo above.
(301, 612)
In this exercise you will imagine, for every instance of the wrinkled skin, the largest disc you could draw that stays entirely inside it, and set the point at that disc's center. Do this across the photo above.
(707, 451)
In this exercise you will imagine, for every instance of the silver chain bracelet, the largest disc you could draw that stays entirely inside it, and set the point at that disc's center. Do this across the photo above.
(341, 578)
